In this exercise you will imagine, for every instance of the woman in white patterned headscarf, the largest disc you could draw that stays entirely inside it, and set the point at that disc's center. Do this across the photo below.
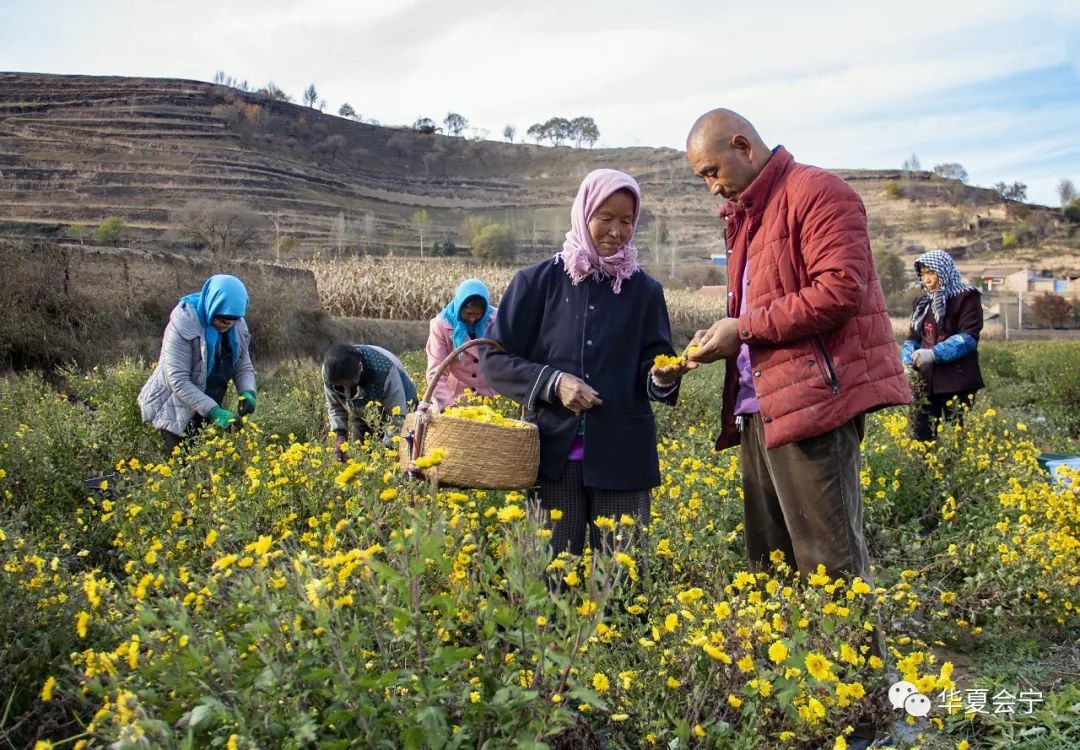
(942, 343)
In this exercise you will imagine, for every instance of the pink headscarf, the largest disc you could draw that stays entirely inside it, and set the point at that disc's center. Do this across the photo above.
(579, 255)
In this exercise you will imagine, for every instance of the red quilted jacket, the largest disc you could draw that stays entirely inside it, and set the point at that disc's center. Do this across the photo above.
(821, 344)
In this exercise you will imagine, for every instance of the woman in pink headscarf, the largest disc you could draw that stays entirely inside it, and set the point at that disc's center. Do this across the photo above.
(580, 333)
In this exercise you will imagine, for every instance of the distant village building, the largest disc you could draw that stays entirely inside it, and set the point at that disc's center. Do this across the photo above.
(1020, 279)
(1004, 279)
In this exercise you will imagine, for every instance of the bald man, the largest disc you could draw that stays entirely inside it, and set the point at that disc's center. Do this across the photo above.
(808, 344)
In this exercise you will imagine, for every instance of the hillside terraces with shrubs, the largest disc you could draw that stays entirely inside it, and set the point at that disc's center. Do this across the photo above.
(75, 150)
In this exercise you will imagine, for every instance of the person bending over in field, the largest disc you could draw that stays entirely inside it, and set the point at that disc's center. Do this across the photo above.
(580, 334)
(355, 376)
(204, 347)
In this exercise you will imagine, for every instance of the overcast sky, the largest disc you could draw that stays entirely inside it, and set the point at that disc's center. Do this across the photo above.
(992, 84)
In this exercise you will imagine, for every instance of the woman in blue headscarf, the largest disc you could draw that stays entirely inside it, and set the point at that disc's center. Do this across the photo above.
(467, 317)
(942, 344)
(206, 344)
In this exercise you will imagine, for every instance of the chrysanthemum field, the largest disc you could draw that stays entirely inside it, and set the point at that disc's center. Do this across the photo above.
(252, 592)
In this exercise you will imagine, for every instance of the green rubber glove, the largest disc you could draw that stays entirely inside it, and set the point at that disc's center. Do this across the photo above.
(221, 417)
(246, 404)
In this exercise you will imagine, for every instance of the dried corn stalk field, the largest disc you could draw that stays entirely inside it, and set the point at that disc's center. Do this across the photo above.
(413, 289)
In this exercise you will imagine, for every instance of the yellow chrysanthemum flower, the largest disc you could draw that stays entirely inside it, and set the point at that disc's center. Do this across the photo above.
(82, 620)
(778, 652)
(484, 413)
(667, 360)
(47, 689)
(818, 666)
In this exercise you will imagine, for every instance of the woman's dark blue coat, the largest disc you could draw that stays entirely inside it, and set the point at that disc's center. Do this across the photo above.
(547, 324)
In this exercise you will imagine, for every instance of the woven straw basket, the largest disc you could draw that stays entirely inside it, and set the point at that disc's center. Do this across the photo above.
(478, 454)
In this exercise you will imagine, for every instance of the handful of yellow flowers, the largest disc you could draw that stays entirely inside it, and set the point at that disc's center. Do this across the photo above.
(667, 360)
(483, 413)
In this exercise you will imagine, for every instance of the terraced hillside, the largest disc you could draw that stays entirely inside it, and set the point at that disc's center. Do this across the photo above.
(76, 149)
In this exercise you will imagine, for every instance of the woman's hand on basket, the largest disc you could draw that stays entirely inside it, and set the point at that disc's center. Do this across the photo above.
(429, 407)
(577, 395)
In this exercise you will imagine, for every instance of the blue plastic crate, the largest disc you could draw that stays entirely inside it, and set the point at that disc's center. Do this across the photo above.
(1052, 462)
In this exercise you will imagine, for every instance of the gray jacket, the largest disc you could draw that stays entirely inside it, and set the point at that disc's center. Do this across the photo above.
(176, 389)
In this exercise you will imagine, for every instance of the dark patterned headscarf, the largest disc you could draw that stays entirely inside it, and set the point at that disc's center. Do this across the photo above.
(941, 263)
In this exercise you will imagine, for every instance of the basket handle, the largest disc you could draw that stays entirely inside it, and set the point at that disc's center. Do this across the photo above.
(420, 427)
(452, 356)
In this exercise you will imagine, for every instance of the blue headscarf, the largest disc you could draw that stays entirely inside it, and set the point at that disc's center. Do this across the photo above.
(220, 295)
(452, 312)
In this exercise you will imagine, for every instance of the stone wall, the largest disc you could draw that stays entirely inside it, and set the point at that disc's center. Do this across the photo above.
(93, 304)
(128, 278)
